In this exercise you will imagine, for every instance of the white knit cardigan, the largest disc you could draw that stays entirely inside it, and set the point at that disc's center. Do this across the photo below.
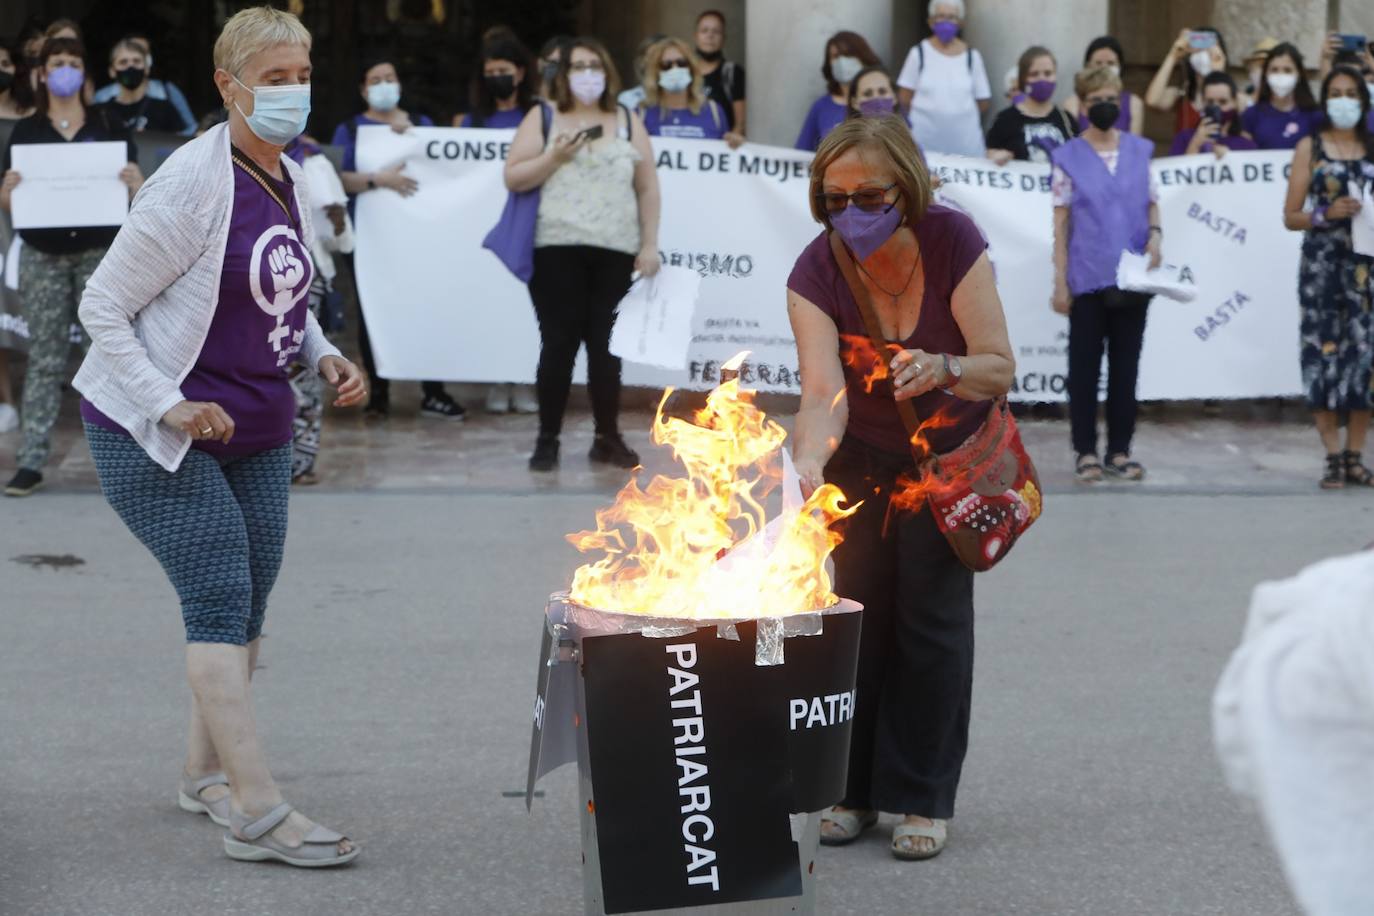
(148, 306)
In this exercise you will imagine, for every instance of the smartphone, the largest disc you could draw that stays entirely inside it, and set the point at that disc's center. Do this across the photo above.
(1213, 113)
(1201, 41)
(1356, 44)
(591, 133)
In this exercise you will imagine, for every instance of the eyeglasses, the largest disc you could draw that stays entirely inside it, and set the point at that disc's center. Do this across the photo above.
(869, 200)
(674, 65)
(586, 67)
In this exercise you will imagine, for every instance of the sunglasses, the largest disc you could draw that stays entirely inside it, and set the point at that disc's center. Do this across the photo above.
(869, 200)
(674, 65)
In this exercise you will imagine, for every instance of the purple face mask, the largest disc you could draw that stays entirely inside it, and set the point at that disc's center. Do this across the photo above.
(65, 81)
(945, 30)
(878, 106)
(1041, 90)
(865, 233)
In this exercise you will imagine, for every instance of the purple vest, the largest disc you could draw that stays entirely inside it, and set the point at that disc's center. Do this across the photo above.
(1109, 213)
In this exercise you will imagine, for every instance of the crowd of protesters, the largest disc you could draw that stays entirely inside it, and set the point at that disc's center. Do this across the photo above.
(685, 87)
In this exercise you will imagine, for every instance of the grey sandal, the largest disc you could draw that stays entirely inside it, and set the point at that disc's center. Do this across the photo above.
(937, 831)
(189, 799)
(851, 822)
(248, 841)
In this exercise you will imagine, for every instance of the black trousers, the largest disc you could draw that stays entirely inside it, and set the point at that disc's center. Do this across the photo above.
(575, 290)
(915, 685)
(1115, 321)
(375, 382)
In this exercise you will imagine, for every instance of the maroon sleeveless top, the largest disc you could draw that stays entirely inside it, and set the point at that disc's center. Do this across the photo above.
(950, 244)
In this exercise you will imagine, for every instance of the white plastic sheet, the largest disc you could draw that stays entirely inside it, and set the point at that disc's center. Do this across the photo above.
(1294, 726)
(1133, 273)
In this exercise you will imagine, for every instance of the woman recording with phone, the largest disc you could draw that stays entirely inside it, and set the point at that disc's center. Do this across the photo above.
(1219, 130)
(1203, 51)
(597, 222)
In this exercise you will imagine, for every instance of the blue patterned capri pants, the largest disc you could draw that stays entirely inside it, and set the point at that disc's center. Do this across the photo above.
(217, 526)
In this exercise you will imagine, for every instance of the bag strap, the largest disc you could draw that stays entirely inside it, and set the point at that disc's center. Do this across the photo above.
(905, 409)
(546, 119)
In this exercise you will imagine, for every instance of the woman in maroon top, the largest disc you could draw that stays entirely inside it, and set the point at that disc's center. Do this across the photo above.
(926, 270)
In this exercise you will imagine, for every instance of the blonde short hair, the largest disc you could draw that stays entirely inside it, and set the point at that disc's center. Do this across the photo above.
(1089, 81)
(696, 93)
(890, 138)
(256, 29)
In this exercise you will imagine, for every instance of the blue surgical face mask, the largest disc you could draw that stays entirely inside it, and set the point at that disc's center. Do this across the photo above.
(384, 96)
(675, 80)
(1344, 112)
(279, 112)
(865, 233)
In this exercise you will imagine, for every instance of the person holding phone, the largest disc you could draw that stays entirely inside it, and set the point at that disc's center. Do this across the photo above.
(1104, 204)
(597, 222)
(1285, 110)
(1201, 51)
(1332, 171)
(1220, 129)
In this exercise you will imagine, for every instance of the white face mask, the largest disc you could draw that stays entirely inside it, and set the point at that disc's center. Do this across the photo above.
(844, 68)
(384, 96)
(1115, 69)
(1201, 62)
(1282, 84)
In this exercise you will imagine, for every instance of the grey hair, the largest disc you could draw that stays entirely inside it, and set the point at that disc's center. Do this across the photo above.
(957, 5)
(256, 29)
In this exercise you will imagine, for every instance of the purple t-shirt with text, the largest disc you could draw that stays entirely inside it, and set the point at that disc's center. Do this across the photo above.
(1184, 137)
(258, 325)
(950, 244)
(498, 119)
(707, 124)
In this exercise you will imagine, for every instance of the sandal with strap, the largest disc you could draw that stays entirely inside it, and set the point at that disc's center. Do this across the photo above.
(1088, 469)
(1122, 467)
(850, 822)
(937, 831)
(1355, 471)
(1334, 478)
(189, 798)
(248, 841)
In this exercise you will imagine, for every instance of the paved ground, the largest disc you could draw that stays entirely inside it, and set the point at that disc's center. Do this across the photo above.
(400, 666)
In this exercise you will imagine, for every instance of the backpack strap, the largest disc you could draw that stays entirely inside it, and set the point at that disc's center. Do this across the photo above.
(881, 346)
(546, 119)
(629, 122)
(715, 113)
(727, 79)
(970, 59)
(920, 57)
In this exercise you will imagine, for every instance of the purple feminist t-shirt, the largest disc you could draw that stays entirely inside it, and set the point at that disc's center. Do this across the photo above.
(258, 325)
(707, 124)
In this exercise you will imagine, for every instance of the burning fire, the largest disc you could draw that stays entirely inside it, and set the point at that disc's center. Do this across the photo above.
(701, 546)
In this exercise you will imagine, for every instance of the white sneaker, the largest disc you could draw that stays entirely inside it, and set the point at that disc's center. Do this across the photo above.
(524, 400)
(9, 418)
(498, 398)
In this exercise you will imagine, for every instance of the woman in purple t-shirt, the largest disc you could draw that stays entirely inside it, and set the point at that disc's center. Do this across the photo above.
(675, 102)
(926, 270)
(196, 315)
(846, 54)
(1285, 110)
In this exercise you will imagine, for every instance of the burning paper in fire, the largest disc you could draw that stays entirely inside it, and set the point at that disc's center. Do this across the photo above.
(700, 546)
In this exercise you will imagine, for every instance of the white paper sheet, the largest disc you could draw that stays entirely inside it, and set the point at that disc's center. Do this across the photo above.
(1362, 226)
(1133, 273)
(69, 184)
(654, 324)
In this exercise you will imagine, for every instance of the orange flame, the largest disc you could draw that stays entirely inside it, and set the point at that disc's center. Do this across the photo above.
(856, 352)
(910, 492)
(661, 542)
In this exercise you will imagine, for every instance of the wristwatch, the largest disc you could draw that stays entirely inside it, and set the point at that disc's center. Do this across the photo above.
(371, 183)
(954, 371)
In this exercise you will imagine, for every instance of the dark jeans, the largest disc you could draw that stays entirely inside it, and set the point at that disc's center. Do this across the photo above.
(575, 289)
(915, 685)
(1093, 324)
(375, 382)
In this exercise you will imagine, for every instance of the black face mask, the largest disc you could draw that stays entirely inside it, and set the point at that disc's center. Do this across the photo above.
(501, 87)
(6, 80)
(710, 57)
(1103, 115)
(131, 77)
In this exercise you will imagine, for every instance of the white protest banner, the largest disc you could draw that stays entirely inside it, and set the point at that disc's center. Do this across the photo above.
(440, 307)
(69, 184)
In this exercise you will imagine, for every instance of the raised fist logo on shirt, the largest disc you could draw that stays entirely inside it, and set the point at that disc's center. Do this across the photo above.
(287, 271)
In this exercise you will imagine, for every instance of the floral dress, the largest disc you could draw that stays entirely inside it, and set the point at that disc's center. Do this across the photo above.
(1335, 293)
